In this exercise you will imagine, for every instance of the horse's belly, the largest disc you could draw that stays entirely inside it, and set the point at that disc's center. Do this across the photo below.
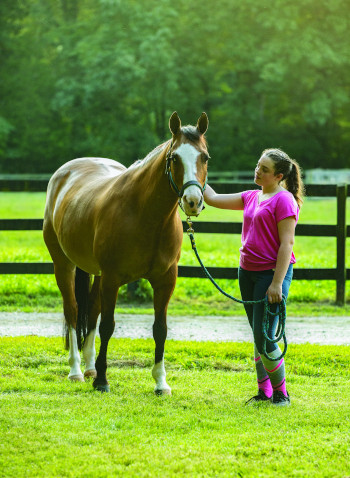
(77, 244)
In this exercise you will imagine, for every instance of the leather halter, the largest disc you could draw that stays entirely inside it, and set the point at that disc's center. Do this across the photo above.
(180, 192)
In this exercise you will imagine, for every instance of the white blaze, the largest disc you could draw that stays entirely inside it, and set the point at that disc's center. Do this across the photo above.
(189, 155)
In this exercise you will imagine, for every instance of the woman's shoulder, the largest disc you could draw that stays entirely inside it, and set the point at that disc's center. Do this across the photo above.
(286, 206)
(286, 197)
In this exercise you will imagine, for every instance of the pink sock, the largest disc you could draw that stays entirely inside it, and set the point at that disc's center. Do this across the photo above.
(265, 386)
(281, 387)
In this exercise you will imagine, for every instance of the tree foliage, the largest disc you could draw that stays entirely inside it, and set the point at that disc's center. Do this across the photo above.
(101, 77)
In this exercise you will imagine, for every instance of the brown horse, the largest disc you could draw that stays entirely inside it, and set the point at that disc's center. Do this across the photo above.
(122, 224)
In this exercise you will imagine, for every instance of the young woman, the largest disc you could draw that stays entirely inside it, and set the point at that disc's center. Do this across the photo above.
(266, 260)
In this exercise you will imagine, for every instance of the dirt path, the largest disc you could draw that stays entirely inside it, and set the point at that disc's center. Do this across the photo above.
(321, 330)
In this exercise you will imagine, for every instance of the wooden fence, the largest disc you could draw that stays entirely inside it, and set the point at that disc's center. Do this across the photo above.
(339, 230)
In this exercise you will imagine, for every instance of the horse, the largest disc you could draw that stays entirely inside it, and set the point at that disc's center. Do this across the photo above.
(106, 225)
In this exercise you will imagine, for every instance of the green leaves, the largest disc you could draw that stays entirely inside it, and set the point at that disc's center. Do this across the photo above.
(101, 77)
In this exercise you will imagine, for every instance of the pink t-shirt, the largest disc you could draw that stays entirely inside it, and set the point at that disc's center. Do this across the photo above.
(260, 240)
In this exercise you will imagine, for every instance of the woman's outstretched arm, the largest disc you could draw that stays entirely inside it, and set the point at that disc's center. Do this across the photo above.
(223, 201)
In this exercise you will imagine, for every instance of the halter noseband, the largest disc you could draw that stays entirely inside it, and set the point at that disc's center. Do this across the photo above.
(180, 192)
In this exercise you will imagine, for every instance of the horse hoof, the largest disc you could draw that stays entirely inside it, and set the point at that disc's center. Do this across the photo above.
(76, 378)
(90, 373)
(165, 391)
(103, 388)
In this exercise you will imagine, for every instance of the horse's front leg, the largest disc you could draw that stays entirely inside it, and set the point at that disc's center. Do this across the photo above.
(163, 289)
(108, 291)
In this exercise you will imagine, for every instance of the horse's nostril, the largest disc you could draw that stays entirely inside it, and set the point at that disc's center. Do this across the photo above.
(190, 203)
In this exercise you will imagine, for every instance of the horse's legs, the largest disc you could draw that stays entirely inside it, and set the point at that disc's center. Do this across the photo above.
(94, 310)
(163, 289)
(108, 293)
(65, 278)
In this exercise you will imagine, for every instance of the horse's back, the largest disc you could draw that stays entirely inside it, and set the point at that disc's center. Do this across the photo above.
(81, 177)
(87, 170)
(73, 195)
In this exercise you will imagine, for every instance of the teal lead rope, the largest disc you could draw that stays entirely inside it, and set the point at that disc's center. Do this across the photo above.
(282, 313)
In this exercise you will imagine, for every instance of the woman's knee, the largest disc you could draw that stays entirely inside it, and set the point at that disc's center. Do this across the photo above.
(259, 341)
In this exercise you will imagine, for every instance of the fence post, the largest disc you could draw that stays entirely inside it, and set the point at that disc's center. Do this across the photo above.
(341, 242)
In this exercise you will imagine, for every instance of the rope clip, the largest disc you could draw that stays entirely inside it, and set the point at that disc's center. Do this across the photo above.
(190, 229)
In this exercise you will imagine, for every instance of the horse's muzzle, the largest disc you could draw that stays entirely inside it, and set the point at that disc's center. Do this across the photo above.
(192, 201)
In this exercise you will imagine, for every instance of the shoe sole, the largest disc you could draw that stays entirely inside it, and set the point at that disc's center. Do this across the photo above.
(281, 404)
(257, 402)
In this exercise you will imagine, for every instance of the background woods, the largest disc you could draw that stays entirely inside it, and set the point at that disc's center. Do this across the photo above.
(100, 77)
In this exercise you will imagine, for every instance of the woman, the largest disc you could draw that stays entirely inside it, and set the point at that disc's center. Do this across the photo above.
(266, 261)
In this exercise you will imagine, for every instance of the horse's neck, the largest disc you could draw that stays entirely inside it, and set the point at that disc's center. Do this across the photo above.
(160, 198)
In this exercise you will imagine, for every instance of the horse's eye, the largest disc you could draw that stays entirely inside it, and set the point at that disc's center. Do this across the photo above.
(174, 158)
(206, 157)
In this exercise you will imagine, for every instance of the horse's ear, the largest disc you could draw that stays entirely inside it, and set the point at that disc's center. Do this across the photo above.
(174, 123)
(202, 123)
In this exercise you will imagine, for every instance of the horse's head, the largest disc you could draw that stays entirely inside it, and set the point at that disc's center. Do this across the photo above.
(187, 162)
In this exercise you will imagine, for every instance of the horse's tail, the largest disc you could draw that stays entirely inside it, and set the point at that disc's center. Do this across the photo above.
(82, 289)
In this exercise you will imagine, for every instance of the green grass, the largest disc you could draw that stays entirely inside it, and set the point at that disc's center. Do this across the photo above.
(191, 296)
(50, 427)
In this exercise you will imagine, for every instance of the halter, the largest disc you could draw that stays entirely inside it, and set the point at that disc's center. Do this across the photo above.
(180, 192)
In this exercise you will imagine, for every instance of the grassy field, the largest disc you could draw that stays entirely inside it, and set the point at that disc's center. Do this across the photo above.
(50, 427)
(195, 296)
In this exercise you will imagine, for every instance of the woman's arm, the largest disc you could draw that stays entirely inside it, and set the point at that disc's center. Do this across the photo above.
(286, 232)
(222, 201)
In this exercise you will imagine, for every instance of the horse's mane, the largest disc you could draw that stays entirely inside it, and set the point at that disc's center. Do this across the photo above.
(151, 155)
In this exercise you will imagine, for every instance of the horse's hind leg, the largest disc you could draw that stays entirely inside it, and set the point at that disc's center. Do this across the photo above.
(94, 309)
(65, 278)
(163, 289)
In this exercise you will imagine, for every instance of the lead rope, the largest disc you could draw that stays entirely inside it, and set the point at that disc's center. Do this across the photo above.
(282, 313)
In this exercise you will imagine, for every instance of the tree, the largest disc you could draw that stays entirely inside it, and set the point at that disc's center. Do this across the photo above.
(101, 77)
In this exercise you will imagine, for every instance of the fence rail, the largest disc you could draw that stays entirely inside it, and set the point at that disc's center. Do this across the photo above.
(340, 231)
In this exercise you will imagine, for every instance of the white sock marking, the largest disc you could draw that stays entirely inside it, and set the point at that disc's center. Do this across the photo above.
(159, 374)
(74, 355)
(89, 350)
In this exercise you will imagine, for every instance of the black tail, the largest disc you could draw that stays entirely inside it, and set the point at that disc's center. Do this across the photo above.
(82, 289)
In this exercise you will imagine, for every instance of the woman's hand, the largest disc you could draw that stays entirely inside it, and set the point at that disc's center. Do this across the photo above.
(274, 293)
(223, 201)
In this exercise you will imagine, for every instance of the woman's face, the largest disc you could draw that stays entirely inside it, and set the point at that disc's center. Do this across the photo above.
(265, 173)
